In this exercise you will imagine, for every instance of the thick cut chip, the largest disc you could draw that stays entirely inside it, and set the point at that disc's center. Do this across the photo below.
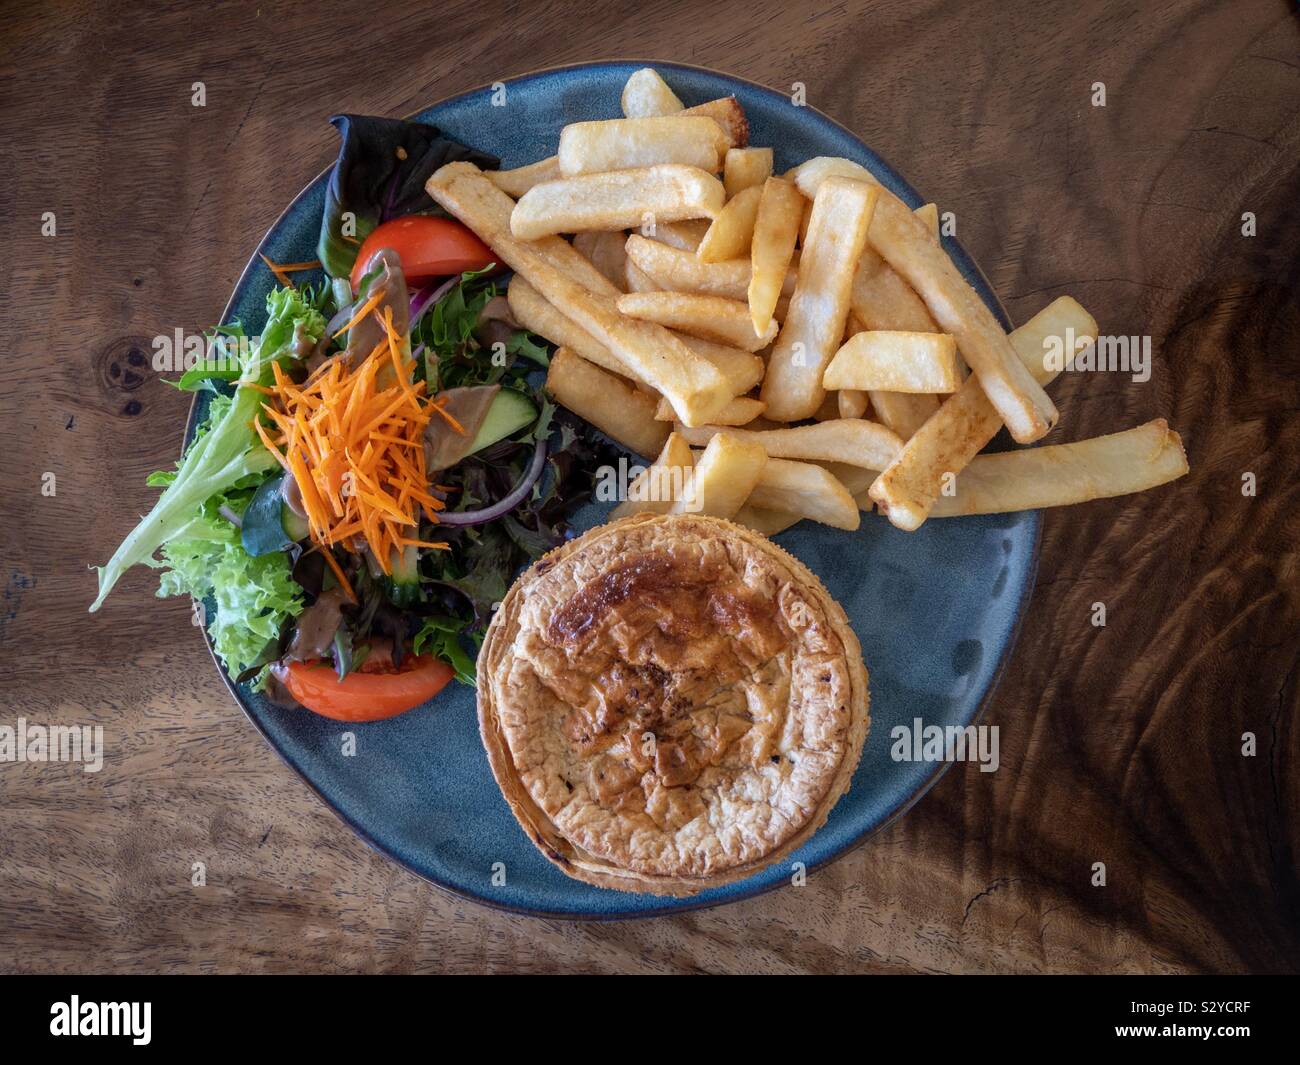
(895, 361)
(676, 270)
(624, 143)
(851, 441)
(646, 95)
(805, 490)
(776, 227)
(729, 235)
(666, 481)
(723, 477)
(684, 236)
(613, 406)
(518, 181)
(814, 324)
(740, 411)
(728, 114)
(744, 168)
(536, 314)
(1058, 475)
(708, 317)
(621, 199)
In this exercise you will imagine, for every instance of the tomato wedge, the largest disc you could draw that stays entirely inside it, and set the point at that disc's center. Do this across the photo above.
(366, 696)
(428, 248)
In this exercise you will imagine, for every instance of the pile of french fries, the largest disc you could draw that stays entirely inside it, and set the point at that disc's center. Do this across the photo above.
(783, 346)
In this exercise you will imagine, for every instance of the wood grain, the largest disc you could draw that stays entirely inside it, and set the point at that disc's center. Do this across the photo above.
(1120, 744)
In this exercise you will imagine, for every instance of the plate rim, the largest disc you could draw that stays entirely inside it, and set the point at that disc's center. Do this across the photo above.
(686, 905)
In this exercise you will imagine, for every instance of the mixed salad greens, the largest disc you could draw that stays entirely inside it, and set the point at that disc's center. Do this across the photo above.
(376, 465)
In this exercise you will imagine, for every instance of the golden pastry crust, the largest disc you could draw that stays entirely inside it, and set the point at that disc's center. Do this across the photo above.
(670, 703)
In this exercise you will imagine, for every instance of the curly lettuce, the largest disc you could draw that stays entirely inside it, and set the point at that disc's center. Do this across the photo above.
(228, 454)
(254, 596)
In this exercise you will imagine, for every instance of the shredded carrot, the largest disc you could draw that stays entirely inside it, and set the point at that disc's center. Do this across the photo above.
(352, 436)
(447, 417)
(364, 309)
(278, 271)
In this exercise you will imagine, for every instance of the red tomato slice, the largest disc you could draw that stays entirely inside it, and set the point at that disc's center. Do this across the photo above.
(366, 696)
(428, 248)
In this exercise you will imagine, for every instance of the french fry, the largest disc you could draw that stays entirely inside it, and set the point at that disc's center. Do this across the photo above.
(627, 143)
(855, 479)
(708, 317)
(695, 387)
(536, 314)
(620, 199)
(728, 114)
(739, 369)
(742, 369)
(763, 521)
(851, 403)
(907, 488)
(814, 325)
(1058, 475)
(851, 441)
(883, 300)
(519, 180)
(903, 412)
(804, 219)
(805, 490)
(810, 174)
(637, 280)
(740, 411)
(684, 236)
(722, 478)
(613, 406)
(663, 483)
(677, 270)
(929, 214)
(645, 95)
(744, 168)
(895, 361)
(729, 235)
(606, 252)
(772, 248)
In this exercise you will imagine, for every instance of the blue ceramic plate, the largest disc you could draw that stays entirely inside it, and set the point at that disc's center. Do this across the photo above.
(936, 610)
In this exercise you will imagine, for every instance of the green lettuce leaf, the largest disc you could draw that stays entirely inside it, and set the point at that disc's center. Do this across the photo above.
(444, 637)
(229, 453)
(254, 596)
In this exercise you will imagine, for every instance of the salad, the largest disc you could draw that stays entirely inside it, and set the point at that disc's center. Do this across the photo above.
(376, 465)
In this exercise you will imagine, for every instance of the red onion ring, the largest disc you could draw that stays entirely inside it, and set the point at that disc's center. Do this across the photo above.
(507, 503)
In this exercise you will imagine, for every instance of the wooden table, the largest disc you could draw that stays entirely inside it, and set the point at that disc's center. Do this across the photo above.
(1120, 744)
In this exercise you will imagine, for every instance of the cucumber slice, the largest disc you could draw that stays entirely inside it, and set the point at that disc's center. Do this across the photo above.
(510, 412)
(404, 584)
(268, 523)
